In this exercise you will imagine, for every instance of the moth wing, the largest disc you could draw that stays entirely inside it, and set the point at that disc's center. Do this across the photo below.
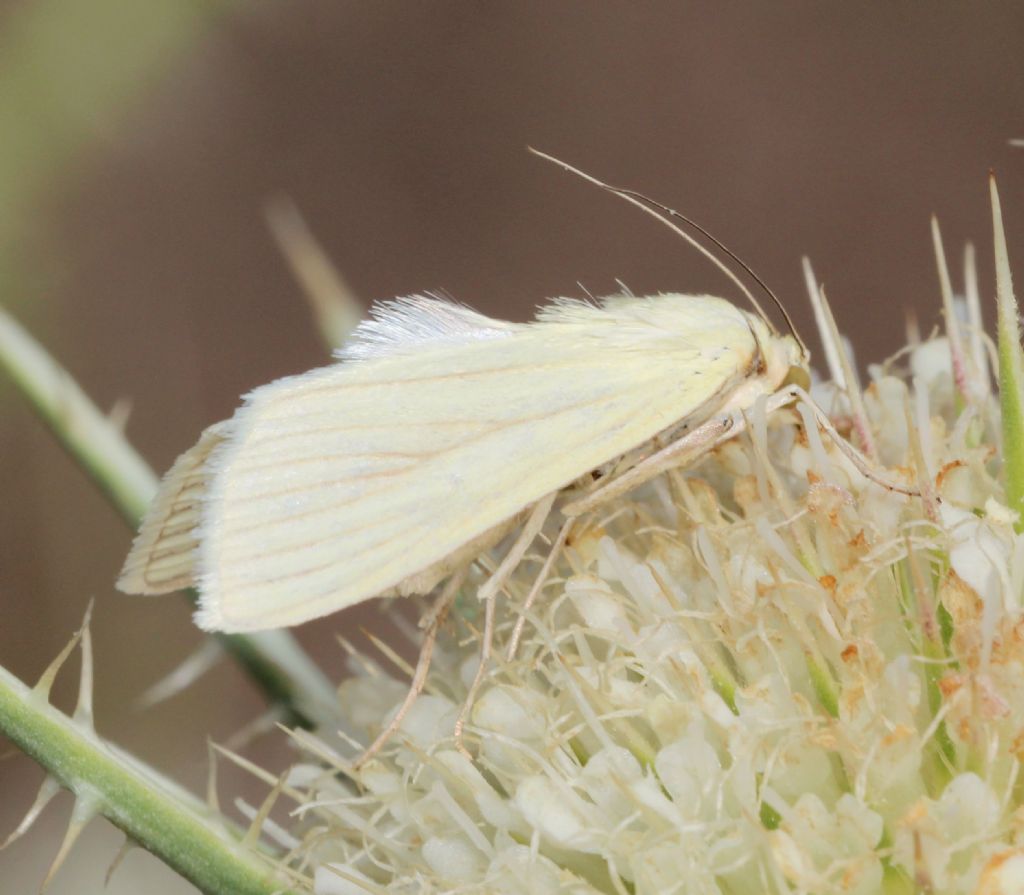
(162, 554)
(332, 487)
(340, 483)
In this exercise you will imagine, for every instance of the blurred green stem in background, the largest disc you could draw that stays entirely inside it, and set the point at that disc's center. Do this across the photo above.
(273, 659)
(68, 72)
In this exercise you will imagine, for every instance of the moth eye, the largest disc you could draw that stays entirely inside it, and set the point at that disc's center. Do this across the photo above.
(797, 375)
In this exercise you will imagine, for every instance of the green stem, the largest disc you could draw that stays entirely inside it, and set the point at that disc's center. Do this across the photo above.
(273, 659)
(153, 811)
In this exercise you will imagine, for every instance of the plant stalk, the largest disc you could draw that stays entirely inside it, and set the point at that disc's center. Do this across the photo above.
(150, 809)
(273, 659)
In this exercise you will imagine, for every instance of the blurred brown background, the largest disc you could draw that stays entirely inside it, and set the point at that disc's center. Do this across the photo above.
(139, 142)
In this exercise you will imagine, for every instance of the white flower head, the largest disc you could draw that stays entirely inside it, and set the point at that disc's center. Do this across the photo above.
(767, 672)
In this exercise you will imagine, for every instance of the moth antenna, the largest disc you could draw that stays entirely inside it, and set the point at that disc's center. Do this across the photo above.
(721, 245)
(643, 203)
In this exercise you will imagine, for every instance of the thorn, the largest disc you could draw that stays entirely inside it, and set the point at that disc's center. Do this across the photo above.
(252, 835)
(212, 801)
(334, 304)
(269, 828)
(250, 766)
(913, 327)
(83, 709)
(84, 811)
(388, 653)
(263, 723)
(345, 644)
(972, 295)
(1010, 365)
(370, 669)
(259, 773)
(47, 790)
(317, 747)
(128, 845)
(46, 679)
(184, 675)
(835, 368)
(852, 386)
(120, 413)
(958, 358)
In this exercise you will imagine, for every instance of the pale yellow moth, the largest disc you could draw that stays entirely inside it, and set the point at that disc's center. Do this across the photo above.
(439, 426)
(437, 433)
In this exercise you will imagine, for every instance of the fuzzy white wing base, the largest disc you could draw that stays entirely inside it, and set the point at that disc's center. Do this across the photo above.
(408, 324)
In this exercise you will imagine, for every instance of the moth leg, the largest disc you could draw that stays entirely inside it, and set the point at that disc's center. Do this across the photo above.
(549, 561)
(488, 591)
(711, 433)
(863, 465)
(434, 620)
(688, 447)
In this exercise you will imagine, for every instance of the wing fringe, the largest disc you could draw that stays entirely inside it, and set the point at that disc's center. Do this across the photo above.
(162, 556)
(408, 323)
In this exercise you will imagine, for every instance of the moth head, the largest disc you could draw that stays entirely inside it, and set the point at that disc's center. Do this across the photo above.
(798, 360)
(782, 360)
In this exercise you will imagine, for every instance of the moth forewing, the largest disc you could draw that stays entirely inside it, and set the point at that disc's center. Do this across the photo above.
(343, 483)
(162, 556)
(780, 361)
